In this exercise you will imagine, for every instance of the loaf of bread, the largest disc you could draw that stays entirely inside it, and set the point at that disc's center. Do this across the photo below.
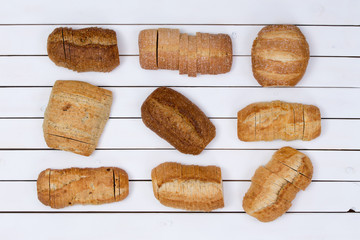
(76, 116)
(166, 48)
(176, 119)
(188, 187)
(59, 188)
(267, 121)
(276, 184)
(84, 50)
(279, 55)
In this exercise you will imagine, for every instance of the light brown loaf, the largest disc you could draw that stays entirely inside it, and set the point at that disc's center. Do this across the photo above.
(176, 119)
(276, 184)
(83, 50)
(267, 121)
(204, 53)
(279, 55)
(59, 188)
(76, 116)
(189, 187)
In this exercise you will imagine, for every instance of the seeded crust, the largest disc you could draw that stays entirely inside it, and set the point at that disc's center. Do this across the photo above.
(279, 55)
(84, 50)
(268, 121)
(177, 120)
(76, 116)
(275, 185)
(59, 188)
(148, 48)
(204, 53)
(189, 187)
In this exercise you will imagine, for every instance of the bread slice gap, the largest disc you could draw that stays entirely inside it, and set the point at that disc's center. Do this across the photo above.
(298, 121)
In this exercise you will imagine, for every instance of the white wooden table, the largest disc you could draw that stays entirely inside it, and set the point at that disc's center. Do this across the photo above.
(328, 209)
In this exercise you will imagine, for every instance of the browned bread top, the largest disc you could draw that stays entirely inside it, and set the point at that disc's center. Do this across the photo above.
(82, 50)
(280, 55)
(189, 187)
(76, 116)
(176, 119)
(60, 188)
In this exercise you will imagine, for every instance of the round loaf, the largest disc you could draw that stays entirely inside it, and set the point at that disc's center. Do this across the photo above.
(279, 55)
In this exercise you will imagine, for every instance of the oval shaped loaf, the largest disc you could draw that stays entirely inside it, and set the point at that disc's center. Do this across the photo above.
(276, 184)
(166, 48)
(83, 50)
(188, 187)
(176, 119)
(279, 55)
(59, 188)
(267, 121)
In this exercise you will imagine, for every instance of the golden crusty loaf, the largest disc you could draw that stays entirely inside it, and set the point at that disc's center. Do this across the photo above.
(276, 184)
(279, 55)
(76, 116)
(176, 119)
(166, 48)
(188, 187)
(267, 121)
(84, 50)
(59, 188)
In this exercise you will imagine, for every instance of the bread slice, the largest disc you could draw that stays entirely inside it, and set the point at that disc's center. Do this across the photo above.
(164, 48)
(312, 122)
(192, 57)
(214, 54)
(295, 160)
(148, 40)
(246, 124)
(184, 47)
(188, 187)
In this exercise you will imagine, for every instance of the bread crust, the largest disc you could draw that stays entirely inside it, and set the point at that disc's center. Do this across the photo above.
(189, 187)
(177, 120)
(84, 50)
(76, 116)
(59, 188)
(279, 55)
(275, 185)
(148, 48)
(267, 121)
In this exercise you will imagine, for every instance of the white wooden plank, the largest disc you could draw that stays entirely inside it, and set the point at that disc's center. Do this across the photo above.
(323, 40)
(319, 196)
(215, 102)
(178, 226)
(40, 71)
(235, 164)
(132, 133)
(186, 11)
